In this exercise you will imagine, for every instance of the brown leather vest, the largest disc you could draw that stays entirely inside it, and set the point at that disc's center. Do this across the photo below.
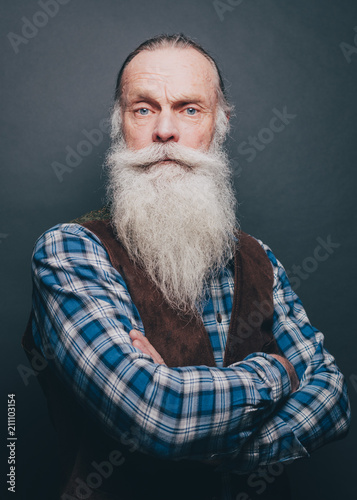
(99, 468)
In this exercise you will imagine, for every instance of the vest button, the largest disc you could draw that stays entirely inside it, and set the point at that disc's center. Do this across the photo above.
(219, 318)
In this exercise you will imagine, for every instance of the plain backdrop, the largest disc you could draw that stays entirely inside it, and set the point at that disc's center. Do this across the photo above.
(296, 186)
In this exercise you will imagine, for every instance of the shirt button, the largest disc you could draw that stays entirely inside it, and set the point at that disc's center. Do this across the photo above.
(219, 318)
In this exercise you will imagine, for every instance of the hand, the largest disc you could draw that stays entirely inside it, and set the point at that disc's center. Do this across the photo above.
(142, 343)
(294, 380)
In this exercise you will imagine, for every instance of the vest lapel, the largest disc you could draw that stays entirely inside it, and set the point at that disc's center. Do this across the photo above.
(250, 328)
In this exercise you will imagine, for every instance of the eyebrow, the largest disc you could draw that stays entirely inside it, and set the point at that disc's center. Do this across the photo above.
(181, 99)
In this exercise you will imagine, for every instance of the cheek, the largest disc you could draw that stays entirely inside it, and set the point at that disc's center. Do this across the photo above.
(135, 135)
(199, 136)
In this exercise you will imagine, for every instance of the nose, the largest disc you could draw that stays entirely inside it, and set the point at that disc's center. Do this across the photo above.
(165, 129)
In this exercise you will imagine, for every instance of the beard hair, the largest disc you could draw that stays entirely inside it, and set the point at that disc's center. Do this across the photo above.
(175, 219)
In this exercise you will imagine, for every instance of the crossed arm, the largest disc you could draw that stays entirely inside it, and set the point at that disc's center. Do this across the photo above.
(245, 414)
(141, 342)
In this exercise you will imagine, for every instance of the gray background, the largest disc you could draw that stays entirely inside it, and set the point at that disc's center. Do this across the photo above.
(301, 187)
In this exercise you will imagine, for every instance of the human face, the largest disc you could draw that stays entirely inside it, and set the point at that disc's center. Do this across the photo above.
(169, 95)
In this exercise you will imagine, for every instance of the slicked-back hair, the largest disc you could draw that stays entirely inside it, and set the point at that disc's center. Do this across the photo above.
(181, 41)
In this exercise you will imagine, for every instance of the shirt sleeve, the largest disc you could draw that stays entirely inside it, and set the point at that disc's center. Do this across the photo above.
(82, 310)
(319, 411)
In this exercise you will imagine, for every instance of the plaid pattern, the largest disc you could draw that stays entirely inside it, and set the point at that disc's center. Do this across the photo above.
(217, 311)
(242, 415)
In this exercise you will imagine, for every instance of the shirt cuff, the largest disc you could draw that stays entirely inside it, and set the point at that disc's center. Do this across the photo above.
(272, 372)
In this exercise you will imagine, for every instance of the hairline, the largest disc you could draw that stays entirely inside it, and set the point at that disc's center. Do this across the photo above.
(124, 78)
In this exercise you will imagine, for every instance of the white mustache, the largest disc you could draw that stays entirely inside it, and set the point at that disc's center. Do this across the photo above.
(171, 152)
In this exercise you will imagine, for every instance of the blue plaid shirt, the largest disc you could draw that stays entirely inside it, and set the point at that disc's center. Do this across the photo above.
(242, 416)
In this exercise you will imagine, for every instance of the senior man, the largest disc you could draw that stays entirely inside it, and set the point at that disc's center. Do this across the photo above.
(179, 361)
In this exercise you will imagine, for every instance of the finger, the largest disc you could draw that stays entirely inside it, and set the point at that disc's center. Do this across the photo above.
(141, 346)
(138, 340)
(142, 343)
(135, 334)
(152, 351)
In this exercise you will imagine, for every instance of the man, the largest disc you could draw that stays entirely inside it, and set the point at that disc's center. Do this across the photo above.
(180, 361)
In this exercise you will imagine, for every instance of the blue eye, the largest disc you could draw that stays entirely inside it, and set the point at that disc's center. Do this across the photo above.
(144, 111)
(191, 111)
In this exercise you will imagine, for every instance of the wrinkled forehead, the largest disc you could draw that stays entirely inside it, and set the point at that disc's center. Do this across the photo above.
(170, 72)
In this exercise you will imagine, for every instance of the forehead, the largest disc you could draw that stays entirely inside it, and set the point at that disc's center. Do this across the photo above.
(170, 71)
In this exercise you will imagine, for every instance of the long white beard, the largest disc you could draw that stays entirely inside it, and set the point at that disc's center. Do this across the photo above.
(175, 219)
